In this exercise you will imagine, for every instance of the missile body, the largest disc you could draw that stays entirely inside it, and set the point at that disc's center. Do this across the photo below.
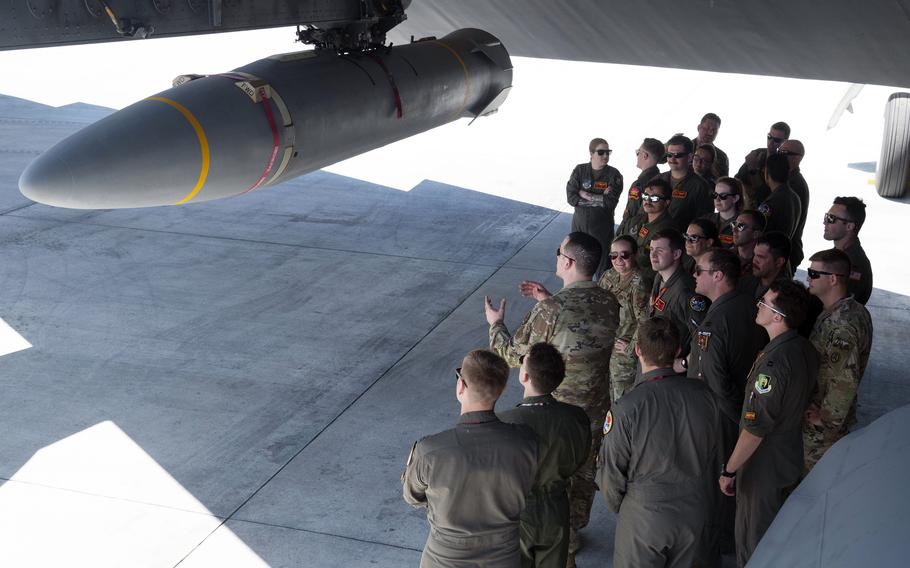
(272, 120)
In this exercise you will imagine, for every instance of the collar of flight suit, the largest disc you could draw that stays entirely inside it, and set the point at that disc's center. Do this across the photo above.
(655, 374)
(478, 417)
(723, 300)
(781, 339)
(536, 400)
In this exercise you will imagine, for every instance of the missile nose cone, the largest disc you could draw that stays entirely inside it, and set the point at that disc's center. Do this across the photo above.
(151, 153)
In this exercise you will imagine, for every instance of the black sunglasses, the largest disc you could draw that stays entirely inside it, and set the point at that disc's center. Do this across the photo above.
(625, 255)
(740, 226)
(722, 196)
(559, 253)
(602, 152)
(653, 198)
(829, 219)
(776, 139)
(813, 274)
(693, 238)
(676, 155)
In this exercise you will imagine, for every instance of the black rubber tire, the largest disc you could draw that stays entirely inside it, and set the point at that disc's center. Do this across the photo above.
(893, 172)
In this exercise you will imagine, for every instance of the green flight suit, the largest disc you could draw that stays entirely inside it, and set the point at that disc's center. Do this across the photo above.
(564, 442)
(690, 198)
(633, 201)
(595, 217)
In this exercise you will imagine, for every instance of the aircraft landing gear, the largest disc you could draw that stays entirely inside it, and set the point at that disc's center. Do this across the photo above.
(893, 172)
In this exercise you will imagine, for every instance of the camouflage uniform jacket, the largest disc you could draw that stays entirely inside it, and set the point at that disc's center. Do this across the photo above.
(843, 338)
(633, 203)
(580, 321)
(634, 295)
(691, 198)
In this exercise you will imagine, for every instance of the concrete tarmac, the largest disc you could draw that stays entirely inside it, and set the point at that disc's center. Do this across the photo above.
(238, 383)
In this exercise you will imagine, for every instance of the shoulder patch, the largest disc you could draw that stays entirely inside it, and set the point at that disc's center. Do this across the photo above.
(763, 384)
(697, 303)
(633, 194)
(764, 209)
(608, 422)
(703, 338)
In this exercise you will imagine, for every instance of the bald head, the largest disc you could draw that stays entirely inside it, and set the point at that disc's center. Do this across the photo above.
(794, 151)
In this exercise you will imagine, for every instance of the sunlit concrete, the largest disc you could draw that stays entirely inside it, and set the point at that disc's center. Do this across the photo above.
(252, 371)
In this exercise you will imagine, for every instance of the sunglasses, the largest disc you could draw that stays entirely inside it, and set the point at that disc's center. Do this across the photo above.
(776, 139)
(559, 253)
(722, 196)
(676, 155)
(693, 238)
(761, 302)
(458, 376)
(625, 255)
(602, 152)
(653, 198)
(739, 226)
(830, 219)
(814, 274)
(639, 152)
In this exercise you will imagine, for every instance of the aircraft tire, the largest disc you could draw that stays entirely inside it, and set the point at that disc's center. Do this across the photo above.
(893, 172)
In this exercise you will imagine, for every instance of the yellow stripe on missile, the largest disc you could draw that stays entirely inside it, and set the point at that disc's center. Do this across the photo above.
(203, 145)
(467, 75)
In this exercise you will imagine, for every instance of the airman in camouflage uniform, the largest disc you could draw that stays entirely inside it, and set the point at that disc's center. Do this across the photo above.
(580, 321)
(842, 335)
(632, 289)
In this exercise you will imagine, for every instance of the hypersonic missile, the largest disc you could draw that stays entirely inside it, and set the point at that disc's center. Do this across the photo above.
(267, 122)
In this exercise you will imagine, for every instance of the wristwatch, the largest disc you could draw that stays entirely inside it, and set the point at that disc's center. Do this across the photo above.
(725, 473)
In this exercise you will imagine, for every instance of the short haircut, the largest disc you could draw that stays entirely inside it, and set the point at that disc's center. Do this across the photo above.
(777, 242)
(707, 227)
(736, 186)
(627, 239)
(595, 143)
(681, 140)
(758, 220)
(656, 148)
(782, 126)
(710, 149)
(677, 242)
(486, 373)
(586, 251)
(793, 300)
(778, 168)
(658, 340)
(545, 366)
(711, 116)
(856, 210)
(665, 188)
(726, 261)
(834, 260)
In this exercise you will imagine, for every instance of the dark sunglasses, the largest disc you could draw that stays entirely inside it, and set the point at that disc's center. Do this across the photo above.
(625, 255)
(776, 139)
(458, 375)
(653, 198)
(693, 238)
(603, 152)
(814, 274)
(676, 155)
(722, 196)
(559, 253)
(829, 219)
(740, 226)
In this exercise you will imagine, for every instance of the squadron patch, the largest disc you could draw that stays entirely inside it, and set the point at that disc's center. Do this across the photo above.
(679, 194)
(660, 304)
(726, 239)
(703, 338)
(633, 194)
(856, 275)
(764, 209)
(763, 384)
(697, 303)
(608, 422)
(601, 185)
(643, 232)
(750, 416)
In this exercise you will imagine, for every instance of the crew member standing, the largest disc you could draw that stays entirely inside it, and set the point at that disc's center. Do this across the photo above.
(594, 189)
(473, 511)
(564, 441)
(767, 461)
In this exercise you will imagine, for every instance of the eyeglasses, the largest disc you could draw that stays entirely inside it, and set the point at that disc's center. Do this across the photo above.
(458, 376)
(693, 238)
(639, 152)
(813, 274)
(788, 152)
(676, 155)
(699, 270)
(653, 198)
(722, 196)
(829, 219)
(776, 139)
(625, 255)
(559, 253)
(602, 152)
(761, 302)
(737, 226)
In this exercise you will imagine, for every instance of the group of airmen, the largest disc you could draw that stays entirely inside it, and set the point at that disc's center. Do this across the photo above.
(680, 370)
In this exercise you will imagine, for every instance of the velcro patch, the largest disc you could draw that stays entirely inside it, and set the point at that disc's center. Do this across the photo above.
(750, 416)
(726, 239)
(643, 232)
(608, 422)
(697, 303)
(703, 338)
(763, 384)
(764, 209)
(679, 194)
(601, 185)
(633, 194)
(660, 304)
